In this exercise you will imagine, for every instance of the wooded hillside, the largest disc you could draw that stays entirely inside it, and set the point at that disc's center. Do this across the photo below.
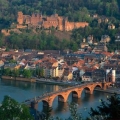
(76, 10)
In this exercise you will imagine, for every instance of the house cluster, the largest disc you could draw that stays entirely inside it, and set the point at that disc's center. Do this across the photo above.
(98, 46)
(105, 20)
(63, 66)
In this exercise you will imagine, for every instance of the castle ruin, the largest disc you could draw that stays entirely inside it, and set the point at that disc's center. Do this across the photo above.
(46, 22)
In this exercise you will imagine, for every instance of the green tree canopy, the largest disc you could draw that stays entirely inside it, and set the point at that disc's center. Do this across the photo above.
(110, 110)
(12, 110)
(27, 73)
(7, 71)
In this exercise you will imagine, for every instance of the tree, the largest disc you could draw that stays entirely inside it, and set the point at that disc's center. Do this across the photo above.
(7, 71)
(110, 110)
(27, 73)
(47, 110)
(15, 73)
(73, 111)
(12, 110)
(41, 72)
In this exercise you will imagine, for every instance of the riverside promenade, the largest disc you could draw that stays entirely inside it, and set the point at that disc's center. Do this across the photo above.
(50, 81)
(40, 80)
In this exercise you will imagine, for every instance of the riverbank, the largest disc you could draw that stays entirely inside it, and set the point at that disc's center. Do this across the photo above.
(52, 82)
(37, 80)
(110, 90)
(18, 79)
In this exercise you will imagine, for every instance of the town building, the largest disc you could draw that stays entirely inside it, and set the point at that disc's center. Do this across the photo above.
(100, 48)
(111, 26)
(105, 38)
(87, 76)
(98, 75)
(67, 74)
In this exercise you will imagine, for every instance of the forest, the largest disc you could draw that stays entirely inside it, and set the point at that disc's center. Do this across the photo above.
(75, 10)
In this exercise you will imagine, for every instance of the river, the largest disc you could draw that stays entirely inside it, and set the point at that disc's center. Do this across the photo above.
(21, 91)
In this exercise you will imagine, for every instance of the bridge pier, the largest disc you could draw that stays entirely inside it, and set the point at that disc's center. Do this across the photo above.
(46, 104)
(34, 105)
(104, 87)
(89, 92)
(74, 95)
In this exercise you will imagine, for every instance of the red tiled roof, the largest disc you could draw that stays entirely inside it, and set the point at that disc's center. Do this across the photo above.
(79, 63)
(107, 54)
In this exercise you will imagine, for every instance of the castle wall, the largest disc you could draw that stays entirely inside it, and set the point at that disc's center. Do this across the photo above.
(27, 19)
(21, 26)
(35, 19)
(48, 24)
(81, 24)
(69, 26)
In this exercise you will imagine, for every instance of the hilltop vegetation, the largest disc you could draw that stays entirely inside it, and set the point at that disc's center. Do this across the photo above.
(75, 10)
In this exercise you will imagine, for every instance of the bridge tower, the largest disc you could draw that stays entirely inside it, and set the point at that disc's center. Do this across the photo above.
(34, 105)
(113, 76)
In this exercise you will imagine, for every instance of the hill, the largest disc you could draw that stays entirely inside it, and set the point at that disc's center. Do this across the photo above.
(62, 35)
(75, 10)
(95, 12)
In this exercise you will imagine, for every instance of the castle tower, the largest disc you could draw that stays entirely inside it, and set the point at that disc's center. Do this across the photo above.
(60, 23)
(65, 24)
(20, 18)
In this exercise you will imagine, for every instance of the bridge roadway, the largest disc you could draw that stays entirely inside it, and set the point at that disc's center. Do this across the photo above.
(63, 94)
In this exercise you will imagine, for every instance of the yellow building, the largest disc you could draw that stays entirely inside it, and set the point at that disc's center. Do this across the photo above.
(67, 75)
(50, 68)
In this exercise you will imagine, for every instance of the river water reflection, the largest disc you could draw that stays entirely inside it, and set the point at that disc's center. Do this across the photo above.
(21, 91)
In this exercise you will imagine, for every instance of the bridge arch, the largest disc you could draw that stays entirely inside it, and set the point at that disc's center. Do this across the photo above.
(108, 85)
(74, 94)
(62, 97)
(98, 85)
(46, 103)
(88, 89)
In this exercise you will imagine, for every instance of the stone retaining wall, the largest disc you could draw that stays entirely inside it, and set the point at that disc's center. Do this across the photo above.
(19, 79)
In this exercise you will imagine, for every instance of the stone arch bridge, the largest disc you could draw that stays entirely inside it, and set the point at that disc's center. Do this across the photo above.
(64, 93)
